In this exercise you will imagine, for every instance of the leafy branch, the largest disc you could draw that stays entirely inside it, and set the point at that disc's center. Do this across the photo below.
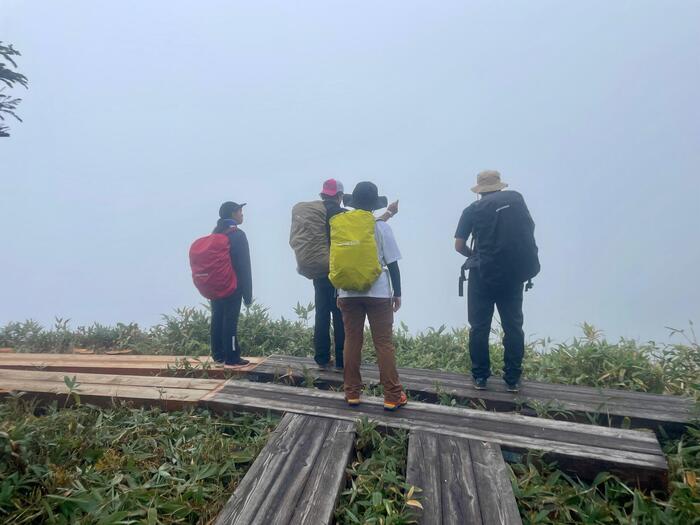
(9, 79)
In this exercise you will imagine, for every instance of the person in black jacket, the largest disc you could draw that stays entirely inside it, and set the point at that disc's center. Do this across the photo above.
(492, 280)
(225, 347)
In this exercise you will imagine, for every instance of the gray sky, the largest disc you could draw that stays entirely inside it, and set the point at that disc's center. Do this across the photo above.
(142, 117)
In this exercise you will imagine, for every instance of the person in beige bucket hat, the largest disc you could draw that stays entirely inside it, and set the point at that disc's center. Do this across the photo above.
(488, 181)
(503, 257)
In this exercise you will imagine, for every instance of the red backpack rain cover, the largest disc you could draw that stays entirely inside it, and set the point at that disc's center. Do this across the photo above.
(212, 271)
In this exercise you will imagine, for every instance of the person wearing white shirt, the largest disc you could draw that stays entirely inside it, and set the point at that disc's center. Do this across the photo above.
(377, 304)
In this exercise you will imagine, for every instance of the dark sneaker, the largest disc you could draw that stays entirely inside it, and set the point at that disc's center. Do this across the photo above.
(218, 364)
(480, 383)
(325, 368)
(237, 364)
(513, 387)
(338, 369)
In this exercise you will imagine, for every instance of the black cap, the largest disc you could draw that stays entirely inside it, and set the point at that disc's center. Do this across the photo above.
(365, 196)
(228, 208)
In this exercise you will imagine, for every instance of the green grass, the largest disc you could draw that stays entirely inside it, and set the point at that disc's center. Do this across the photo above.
(85, 465)
(377, 492)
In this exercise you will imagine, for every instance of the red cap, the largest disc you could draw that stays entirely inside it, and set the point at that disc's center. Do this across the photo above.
(332, 187)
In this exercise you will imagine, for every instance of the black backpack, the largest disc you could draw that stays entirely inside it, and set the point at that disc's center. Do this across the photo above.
(505, 239)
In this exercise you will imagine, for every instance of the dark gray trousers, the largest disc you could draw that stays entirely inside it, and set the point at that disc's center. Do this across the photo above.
(482, 298)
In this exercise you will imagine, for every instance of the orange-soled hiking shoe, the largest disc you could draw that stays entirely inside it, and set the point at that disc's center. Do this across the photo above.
(353, 402)
(391, 406)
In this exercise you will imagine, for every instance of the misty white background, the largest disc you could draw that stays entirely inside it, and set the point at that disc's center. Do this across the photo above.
(142, 117)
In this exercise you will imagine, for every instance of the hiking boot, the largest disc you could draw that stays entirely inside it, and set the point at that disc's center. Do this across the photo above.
(513, 387)
(391, 406)
(352, 401)
(480, 383)
(218, 364)
(238, 364)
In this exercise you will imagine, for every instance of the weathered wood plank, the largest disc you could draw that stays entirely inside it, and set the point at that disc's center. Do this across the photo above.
(425, 469)
(496, 496)
(643, 410)
(124, 392)
(169, 393)
(536, 427)
(149, 365)
(451, 382)
(104, 379)
(463, 481)
(297, 477)
(329, 472)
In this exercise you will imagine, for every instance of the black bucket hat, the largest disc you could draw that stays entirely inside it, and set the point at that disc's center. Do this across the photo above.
(228, 208)
(365, 196)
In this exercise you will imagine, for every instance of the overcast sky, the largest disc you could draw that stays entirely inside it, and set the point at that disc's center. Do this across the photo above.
(142, 117)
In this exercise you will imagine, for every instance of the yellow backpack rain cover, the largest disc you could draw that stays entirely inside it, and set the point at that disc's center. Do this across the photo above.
(354, 261)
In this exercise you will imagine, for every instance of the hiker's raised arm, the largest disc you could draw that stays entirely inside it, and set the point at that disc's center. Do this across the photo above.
(391, 210)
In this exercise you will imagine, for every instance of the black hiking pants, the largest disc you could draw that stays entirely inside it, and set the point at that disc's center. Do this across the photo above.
(326, 307)
(481, 300)
(224, 329)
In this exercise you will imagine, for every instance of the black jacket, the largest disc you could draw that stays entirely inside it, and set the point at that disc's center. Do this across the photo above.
(240, 258)
(332, 209)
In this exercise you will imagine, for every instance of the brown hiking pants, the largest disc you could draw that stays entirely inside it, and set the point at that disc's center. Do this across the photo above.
(381, 320)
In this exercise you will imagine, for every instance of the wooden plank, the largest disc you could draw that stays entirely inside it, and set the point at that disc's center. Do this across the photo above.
(643, 410)
(462, 481)
(104, 379)
(109, 391)
(496, 496)
(149, 365)
(582, 449)
(138, 359)
(298, 476)
(451, 380)
(167, 392)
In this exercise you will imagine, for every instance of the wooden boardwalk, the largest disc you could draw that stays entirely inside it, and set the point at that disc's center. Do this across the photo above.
(584, 450)
(462, 481)
(568, 402)
(298, 476)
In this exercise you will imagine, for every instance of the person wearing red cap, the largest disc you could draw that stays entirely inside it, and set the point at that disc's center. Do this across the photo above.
(325, 295)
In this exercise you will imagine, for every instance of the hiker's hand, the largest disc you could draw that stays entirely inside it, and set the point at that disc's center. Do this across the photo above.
(396, 303)
(393, 208)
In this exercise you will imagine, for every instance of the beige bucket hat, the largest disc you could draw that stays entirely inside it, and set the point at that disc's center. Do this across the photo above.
(489, 180)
